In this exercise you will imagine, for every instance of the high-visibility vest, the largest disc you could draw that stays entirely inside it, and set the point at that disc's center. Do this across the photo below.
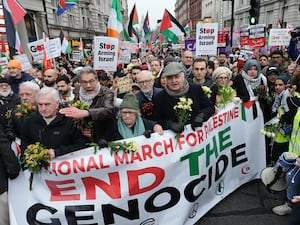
(281, 138)
(294, 145)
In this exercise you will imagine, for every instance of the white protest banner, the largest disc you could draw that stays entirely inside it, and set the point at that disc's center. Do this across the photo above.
(53, 48)
(26, 65)
(124, 52)
(36, 49)
(105, 53)
(279, 37)
(163, 181)
(206, 39)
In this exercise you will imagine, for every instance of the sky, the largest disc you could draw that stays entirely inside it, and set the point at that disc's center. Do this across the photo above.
(155, 9)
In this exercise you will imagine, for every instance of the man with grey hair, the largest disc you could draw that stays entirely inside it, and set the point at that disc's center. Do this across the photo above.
(145, 96)
(177, 87)
(50, 128)
(101, 110)
(27, 94)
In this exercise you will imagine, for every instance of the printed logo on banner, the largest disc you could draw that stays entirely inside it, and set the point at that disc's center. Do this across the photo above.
(247, 169)
(220, 188)
(194, 210)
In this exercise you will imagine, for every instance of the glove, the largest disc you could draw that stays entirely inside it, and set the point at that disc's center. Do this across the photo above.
(176, 127)
(198, 121)
(102, 143)
(147, 133)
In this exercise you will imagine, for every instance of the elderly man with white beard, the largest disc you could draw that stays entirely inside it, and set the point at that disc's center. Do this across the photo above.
(8, 101)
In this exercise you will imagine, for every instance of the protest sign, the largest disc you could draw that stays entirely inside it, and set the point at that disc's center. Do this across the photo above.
(162, 179)
(105, 53)
(206, 39)
(53, 48)
(36, 49)
(26, 65)
(279, 37)
(125, 54)
(257, 36)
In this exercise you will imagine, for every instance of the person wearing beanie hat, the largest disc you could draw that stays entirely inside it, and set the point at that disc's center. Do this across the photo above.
(168, 60)
(15, 75)
(130, 123)
(221, 77)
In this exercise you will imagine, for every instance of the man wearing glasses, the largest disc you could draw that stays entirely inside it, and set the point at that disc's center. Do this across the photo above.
(145, 96)
(101, 111)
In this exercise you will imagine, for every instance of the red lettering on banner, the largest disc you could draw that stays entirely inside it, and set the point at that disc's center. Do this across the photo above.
(133, 179)
(135, 156)
(155, 149)
(124, 158)
(147, 152)
(113, 189)
(168, 146)
(215, 120)
(181, 142)
(64, 168)
(192, 136)
(56, 191)
(200, 136)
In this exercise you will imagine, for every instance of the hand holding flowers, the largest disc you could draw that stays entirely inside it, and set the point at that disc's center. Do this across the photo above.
(36, 157)
(127, 147)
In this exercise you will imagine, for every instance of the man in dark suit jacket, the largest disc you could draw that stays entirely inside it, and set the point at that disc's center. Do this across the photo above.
(147, 93)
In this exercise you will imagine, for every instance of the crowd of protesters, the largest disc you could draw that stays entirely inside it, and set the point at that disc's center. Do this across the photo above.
(145, 104)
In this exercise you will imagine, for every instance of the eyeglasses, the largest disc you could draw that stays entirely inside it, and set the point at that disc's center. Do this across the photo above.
(84, 82)
(144, 81)
(222, 78)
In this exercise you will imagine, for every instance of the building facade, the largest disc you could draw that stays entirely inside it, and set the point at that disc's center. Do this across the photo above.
(286, 11)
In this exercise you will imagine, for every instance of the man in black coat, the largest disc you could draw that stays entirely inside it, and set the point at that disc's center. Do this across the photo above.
(57, 133)
(145, 96)
(177, 87)
(9, 168)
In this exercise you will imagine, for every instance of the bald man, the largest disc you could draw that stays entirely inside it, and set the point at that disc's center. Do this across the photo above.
(50, 76)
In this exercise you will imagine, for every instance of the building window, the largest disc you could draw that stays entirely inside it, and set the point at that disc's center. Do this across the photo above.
(30, 26)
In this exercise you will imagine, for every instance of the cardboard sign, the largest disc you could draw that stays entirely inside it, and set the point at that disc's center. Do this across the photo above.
(53, 48)
(124, 85)
(105, 53)
(206, 39)
(244, 55)
(244, 36)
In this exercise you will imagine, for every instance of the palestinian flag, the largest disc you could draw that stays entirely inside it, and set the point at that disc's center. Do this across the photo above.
(65, 46)
(146, 28)
(171, 28)
(64, 5)
(188, 26)
(130, 33)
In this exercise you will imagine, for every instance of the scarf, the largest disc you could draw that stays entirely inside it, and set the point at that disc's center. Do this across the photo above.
(88, 98)
(252, 83)
(127, 132)
(280, 101)
(181, 93)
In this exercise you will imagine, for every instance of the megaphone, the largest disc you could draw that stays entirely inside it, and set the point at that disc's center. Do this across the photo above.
(268, 177)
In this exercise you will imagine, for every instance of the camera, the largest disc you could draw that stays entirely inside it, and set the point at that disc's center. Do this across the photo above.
(295, 32)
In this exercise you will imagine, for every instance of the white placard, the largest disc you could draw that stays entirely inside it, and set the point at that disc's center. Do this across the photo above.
(206, 39)
(279, 37)
(76, 55)
(124, 52)
(53, 48)
(36, 49)
(105, 53)
(26, 65)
